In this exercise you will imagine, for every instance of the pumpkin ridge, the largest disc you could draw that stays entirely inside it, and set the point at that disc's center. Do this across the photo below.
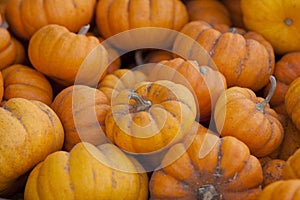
(211, 52)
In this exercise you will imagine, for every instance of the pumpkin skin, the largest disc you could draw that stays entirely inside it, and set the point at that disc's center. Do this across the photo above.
(25, 82)
(272, 171)
(282, 31)
(292, 167)
(211, 11)
(82, 111)
(246, 60)
(284, 189)
(240, 113)
(62, 57)
(1, 87)
(25, 17)
(151, 116)
(24, 143)
(220, 168)
(292, 102)
(207, 84)
(93, 173)
(235, 10)
(286, 70)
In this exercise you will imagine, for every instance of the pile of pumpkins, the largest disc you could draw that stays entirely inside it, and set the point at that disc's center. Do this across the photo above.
(150, 99)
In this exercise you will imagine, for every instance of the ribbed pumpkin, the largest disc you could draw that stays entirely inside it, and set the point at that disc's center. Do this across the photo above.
(292, 102)
(25, 82)
(29, 132)
(240, 113)
(25, 17)
(151, 116)
(82, 111)
(292, 167)
(210, 168)
(246, 59)
(67, 56)
(88, 172)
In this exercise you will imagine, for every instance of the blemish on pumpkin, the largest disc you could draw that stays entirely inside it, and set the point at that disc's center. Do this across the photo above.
(288, 21)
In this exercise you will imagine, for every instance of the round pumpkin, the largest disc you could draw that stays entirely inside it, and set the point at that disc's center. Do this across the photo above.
(88, 172)
(25, 17)
(240, 113)
(151, 116)
(82, 111)
(282, 30)
(272, 171)
(292, 102)
(292, 167)
(279, 190)
(25, 82)
(67, 57)
(210, 168)
(29, 132)
(246, 59)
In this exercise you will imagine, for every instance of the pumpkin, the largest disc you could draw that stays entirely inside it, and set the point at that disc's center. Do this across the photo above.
(30, 131)
(211, 11)
(3, 4)
(25, 82)
(246, 60)
(167, 14)
(292, 101)
(119, 80)
(284, 189)
(206, 83)
(155, 56)
(292, 167)
(287, 69)
(235, 11)
(88, 172)
(25, 17)
(82, 111)
(68, 57)
(1, 86)
(240, 113)
(282, 30)
(272, 171)
(150, 117)
(210, 168)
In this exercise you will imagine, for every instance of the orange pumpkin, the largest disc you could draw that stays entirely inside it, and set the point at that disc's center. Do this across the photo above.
(292, 167)
(211, 11)
(1, 86)
(287, 69)
(23, 81)
(272, 171)
(82, 111)
(151, 116)
(210, 168)
(240, 113)
(246, 60)
(88, 172)
(25, 17)
(235, 11)
(292, 102)
(29, 132)
(67, 57)
(282, 30)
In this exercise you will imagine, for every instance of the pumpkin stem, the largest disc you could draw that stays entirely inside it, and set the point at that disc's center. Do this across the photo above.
(141, 104)
(261, 106)
(4, 24)
(207, 192)
(84, 29)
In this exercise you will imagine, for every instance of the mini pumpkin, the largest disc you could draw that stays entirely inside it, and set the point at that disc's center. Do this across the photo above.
(25, 17)
(292, 102)
(292, 167)
(88, 172)
(82, 111)
(235, 11)
(67, 57)
(210, 168)
(26, 82)
(29, 132)
(272, 171)
(240, 113)
(151, 116)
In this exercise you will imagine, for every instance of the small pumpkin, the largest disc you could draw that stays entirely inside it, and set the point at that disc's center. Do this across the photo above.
(246, 59)
(152, 56)
(282, 30)
(67, 57)
(210, 168)
(235, 10)
(284, 189)
(240, 113)
(88, 172)
(292, 102)
(26, 82)
(272, 171)
(29, 131)
(82, 111)
(292, 167)
(25, 17)
(151, 116)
